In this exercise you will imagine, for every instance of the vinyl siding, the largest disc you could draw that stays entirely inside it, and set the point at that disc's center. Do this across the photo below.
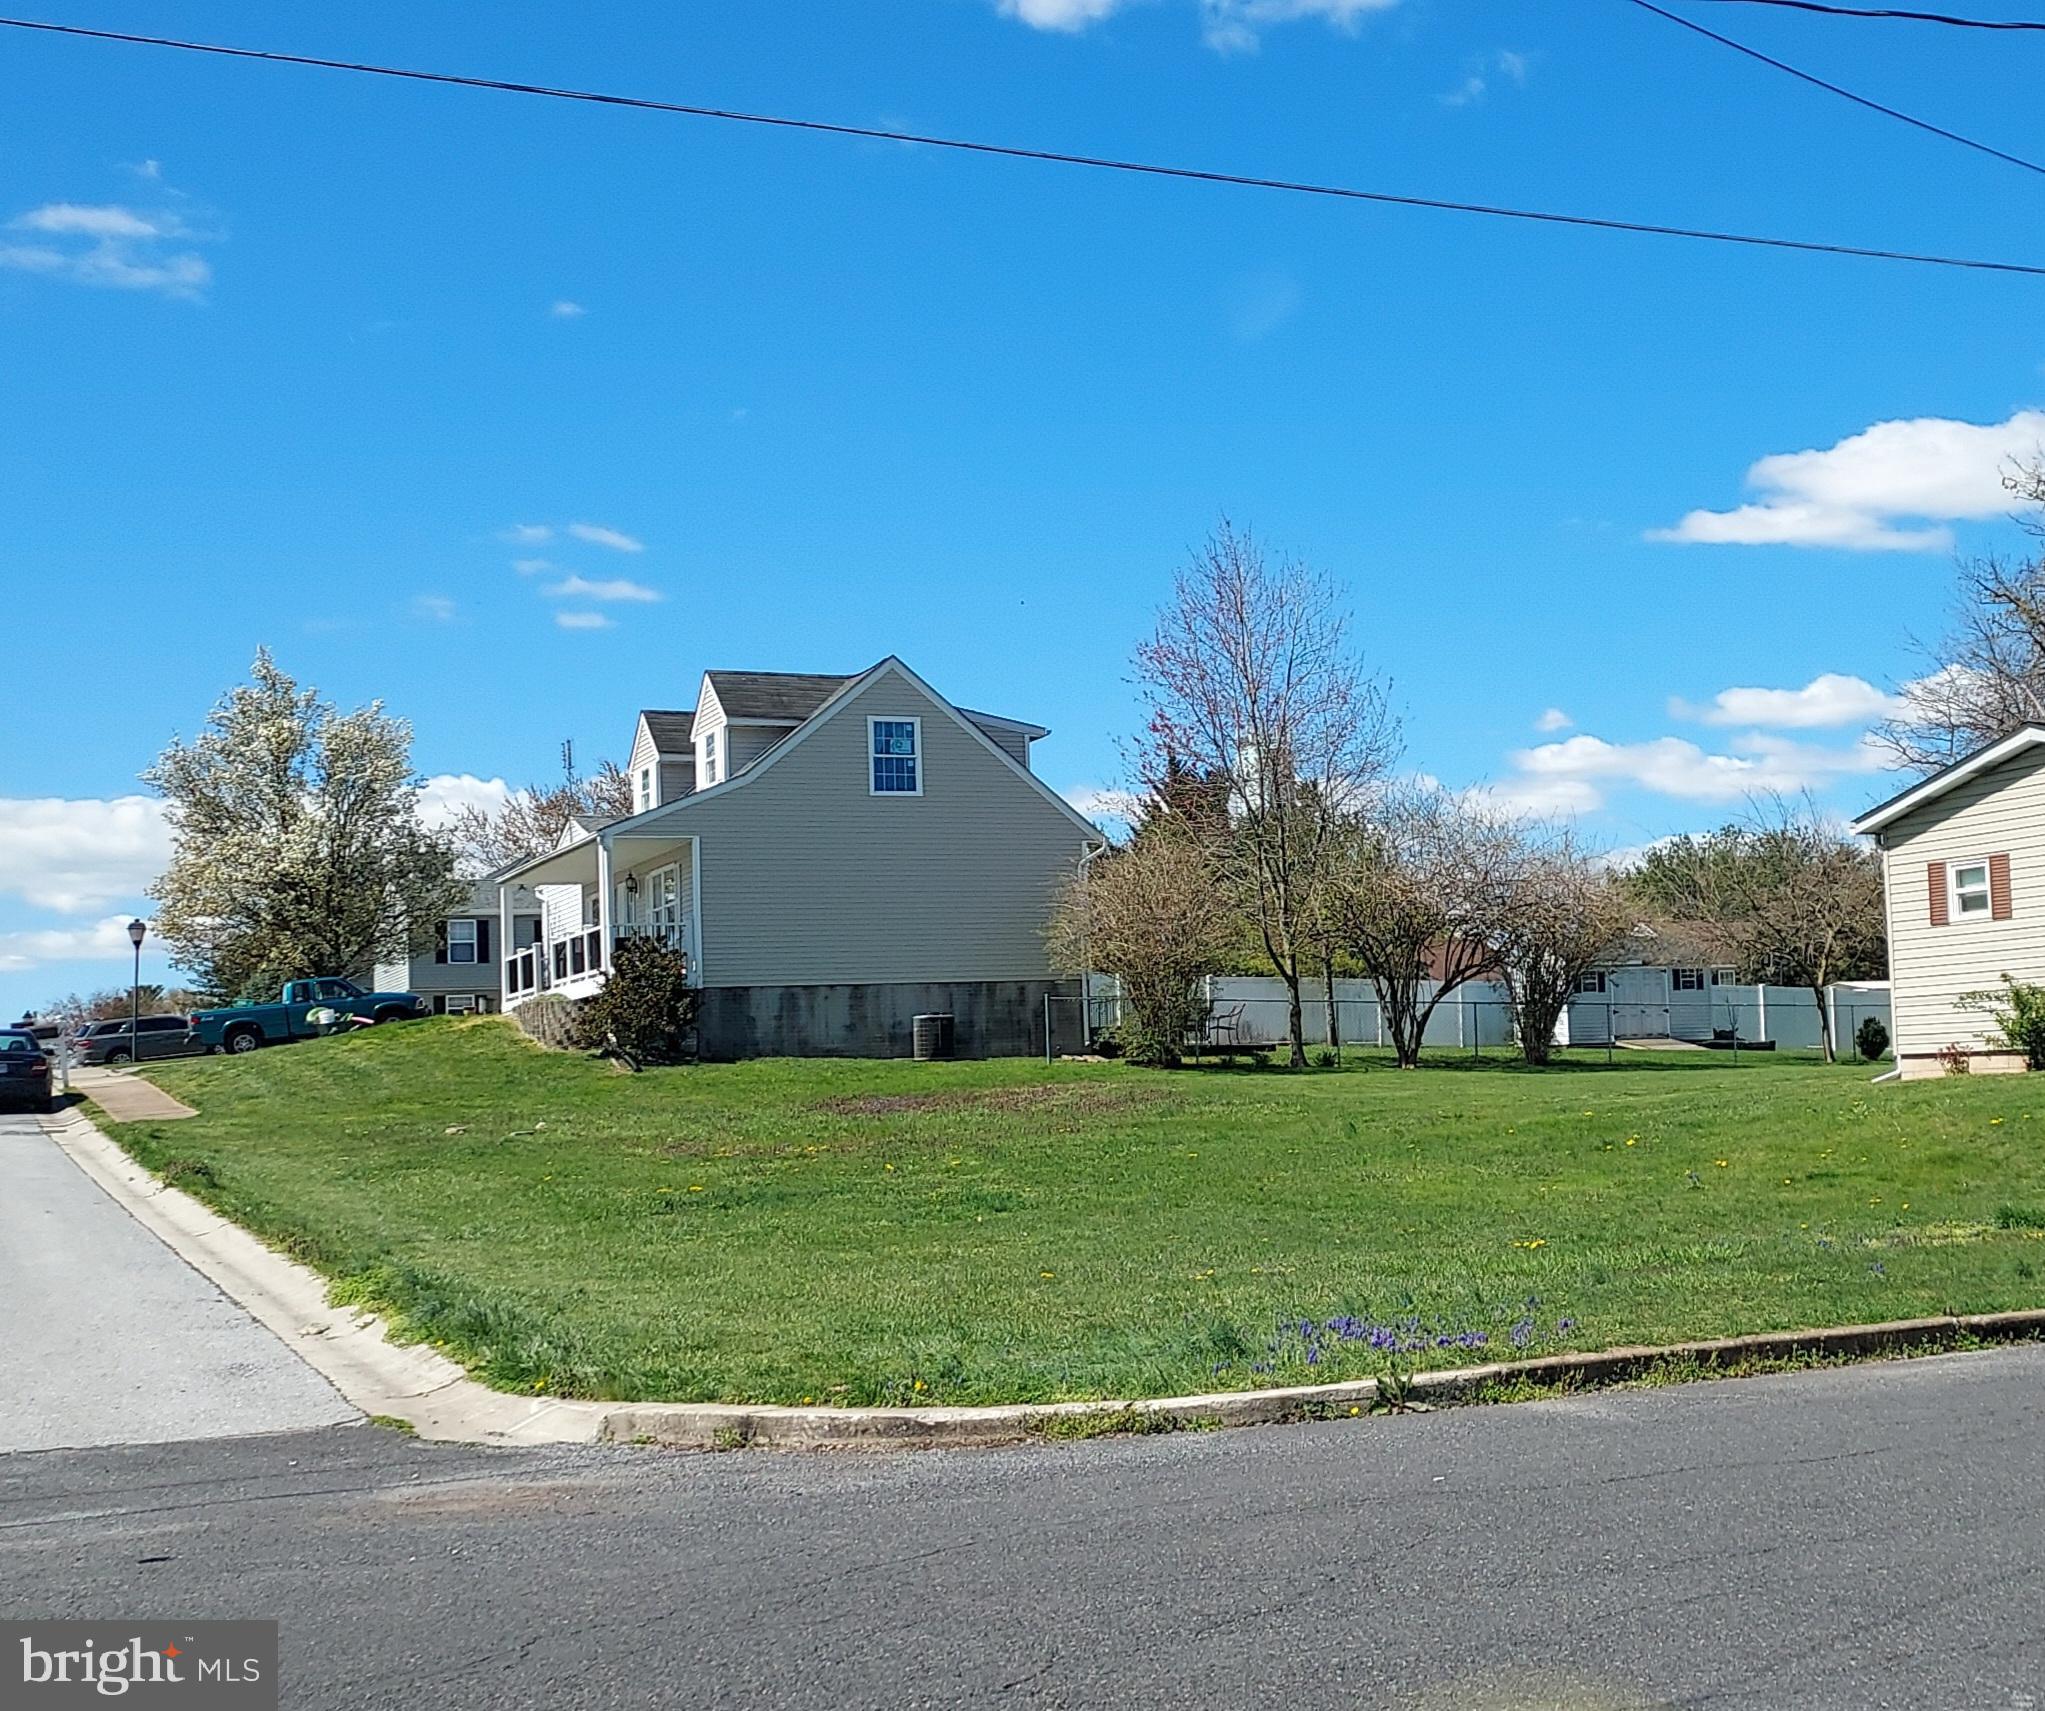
(809, 878)
(745, 743)
(1012, 743)
(1999, 811)
(676, 778)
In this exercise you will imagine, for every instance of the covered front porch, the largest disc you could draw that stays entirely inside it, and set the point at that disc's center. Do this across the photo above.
(593, 893)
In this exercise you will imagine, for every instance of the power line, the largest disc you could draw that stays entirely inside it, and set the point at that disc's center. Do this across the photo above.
(1836, 89)
(1895, 13)
(1056, 157)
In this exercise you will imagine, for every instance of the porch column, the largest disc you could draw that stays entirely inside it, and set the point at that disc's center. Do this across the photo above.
(506, 922)
(693, 949)
(606, 898)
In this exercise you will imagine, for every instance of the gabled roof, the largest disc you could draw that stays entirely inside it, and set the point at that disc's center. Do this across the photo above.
(781, 695)
(1930, 789)
(671, 731)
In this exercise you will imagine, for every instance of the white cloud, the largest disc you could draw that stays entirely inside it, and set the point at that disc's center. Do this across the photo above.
(108, 245)
(1553, 719)
(1058, 14)
(1235, 26)
(1890, 488)
(1826, 702)
(1578, 770)
(614, 589)
(563, 309)
(582, 621)
(446, 794)
(436, 607)
(1228, 26)
(106, 940)
(530, 566)
(80, 854)
(1102, 804)
(599, 536)
(1513, 67)
(526, 534)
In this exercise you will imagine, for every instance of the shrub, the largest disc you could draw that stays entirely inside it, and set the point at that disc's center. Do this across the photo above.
(1871, 1039)
(2018, 1012)
(645, 1011)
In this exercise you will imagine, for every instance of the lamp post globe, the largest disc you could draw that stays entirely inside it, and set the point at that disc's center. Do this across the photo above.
(138, 930)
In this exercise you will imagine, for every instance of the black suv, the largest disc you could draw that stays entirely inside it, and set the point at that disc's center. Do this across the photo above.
(24, 1070)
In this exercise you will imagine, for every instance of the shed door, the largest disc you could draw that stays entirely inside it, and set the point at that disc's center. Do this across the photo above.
(1640, 1002)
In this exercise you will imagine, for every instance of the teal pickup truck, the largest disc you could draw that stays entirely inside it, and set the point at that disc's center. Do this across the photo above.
(244, 1027)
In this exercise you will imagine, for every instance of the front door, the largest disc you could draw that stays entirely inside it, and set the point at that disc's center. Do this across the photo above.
(1640, 1003)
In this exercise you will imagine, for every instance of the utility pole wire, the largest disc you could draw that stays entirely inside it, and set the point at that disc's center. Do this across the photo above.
(1835, 89)
(1893, 13)
(1104, 163)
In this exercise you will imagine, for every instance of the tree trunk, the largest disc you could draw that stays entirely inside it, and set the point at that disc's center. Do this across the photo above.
(1825, 1025)
(1334, 1028)
(1536, 1021)
(1295, 1017)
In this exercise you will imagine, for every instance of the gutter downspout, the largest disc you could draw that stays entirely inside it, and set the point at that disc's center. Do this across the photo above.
(1087, 853)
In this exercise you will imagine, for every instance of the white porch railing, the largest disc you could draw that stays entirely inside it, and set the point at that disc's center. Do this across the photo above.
(575, 958)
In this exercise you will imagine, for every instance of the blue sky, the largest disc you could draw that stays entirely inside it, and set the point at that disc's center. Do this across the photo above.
(290, 358)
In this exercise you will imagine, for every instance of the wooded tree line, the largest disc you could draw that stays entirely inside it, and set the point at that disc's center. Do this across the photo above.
(1272, 807)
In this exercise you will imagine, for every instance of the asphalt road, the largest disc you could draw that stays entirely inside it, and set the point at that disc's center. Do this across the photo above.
(106, 1336)
(1867, 1537)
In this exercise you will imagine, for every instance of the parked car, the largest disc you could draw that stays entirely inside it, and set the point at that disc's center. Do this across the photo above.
(244, 1027)
(24, 1070)
(114, 1042)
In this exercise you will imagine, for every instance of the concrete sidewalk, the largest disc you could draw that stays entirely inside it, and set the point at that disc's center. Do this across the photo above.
(127, 1097)
(111, 1338)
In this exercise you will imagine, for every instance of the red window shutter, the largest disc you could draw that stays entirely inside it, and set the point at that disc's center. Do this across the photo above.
(1935, 873)
(1998, 887)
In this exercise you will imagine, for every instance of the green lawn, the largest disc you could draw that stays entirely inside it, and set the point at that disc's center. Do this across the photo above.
(882, 1232)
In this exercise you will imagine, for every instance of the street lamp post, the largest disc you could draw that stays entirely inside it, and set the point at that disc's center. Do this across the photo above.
(138, 930)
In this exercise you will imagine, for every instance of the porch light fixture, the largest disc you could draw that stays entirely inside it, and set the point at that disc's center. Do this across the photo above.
(631, 885)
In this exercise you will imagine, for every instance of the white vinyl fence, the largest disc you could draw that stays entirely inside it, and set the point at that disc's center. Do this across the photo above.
(1477, 1016)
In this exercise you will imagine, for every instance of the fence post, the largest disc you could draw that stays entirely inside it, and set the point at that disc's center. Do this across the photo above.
(1047, 1027)
(1761, 1009)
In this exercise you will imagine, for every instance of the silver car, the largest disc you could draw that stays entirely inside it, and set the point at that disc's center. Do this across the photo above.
(112, 1042)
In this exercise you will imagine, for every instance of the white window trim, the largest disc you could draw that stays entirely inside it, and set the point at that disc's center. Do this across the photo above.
(710, 756)
(645, 788)
(915, 723)
(1954, 915)
(1676, 980)
(1593, 974)
(471, 946)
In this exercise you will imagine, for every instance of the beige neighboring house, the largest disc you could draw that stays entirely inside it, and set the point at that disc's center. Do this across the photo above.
(835, 856)
(1963, 858)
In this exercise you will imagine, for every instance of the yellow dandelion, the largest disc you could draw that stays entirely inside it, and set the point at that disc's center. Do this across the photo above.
(1633, 1140)
(1993, 1121)
(887, 1167)
(1721, 1163)
(1047, 1274)
(919, 1384)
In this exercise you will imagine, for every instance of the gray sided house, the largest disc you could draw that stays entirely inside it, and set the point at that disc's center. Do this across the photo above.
(463, 970)
(834, 855)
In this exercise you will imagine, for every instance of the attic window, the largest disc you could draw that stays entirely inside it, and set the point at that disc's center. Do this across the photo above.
(709, 757)
(896, 756)
(645, 788)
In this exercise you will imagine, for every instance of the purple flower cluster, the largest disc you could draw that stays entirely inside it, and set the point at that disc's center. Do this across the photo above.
(1313, 1342)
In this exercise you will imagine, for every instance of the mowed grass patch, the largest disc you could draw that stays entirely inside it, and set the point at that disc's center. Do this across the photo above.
(865, 1232)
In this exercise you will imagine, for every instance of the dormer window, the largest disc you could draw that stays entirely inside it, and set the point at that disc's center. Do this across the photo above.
(895, 755)
(709, 758)
(645, 788)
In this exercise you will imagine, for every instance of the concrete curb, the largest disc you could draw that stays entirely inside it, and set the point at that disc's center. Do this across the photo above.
(353, 1350)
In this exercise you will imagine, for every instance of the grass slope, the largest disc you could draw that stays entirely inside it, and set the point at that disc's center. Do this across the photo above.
(884, 1232)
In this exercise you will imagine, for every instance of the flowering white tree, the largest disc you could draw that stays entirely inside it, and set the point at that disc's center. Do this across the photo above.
(297, 848)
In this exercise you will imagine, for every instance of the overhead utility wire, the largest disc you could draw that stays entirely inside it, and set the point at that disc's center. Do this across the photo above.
(1835, 89)
(1894, 14)
(1105, 163)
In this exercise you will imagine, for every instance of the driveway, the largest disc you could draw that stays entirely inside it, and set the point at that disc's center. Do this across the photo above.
(110, 1338)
